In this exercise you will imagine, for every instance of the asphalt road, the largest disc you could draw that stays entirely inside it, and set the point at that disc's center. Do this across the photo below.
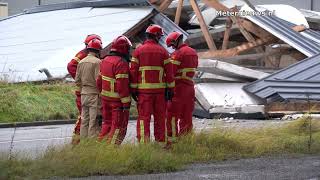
(295, 168)
(34, 141)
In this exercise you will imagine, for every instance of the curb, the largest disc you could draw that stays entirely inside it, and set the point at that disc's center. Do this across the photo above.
(37, 123)
(44, 123)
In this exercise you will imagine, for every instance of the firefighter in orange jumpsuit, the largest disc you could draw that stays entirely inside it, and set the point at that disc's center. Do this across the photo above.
(72, 69)
(150, 77)
(185, 62)
(113, 83)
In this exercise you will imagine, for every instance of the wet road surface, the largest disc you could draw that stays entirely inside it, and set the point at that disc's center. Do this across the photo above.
(295, 168)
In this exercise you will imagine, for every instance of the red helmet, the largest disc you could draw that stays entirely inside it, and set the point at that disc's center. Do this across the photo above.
(95, 44)
(121, 45)
(155, 30)
(173, 38)
(90, 37)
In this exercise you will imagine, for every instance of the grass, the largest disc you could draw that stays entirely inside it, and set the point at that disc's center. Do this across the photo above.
(91, 158)
(29, 102)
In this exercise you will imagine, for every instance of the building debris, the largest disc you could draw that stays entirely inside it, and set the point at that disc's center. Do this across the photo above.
(249, 66)
(284, 32)
(229, 70)
(228, 99)
(300, 81)
(312, 17)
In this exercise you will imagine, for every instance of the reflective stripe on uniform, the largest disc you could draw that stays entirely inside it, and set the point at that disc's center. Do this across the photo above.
(171, 85)
(141, 131)
(115, 136)
(118, 76)
(77, 59)
(184, 77)
(126, 100)
(151, 85)
(175, 62)
(184, 72)
(133, 85)
(167, 61)
(135, 60)
(110, 94)
(166, 131)
(173, 126)
(108, 79)
(150, 68)
(187, 70)
(144, 84)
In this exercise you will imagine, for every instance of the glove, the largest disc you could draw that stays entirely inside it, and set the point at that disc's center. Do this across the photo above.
(168, 94)
(134, 96)
(124, 108)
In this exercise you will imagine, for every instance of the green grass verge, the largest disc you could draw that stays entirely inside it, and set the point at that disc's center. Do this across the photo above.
(91, 158)
(29, 102)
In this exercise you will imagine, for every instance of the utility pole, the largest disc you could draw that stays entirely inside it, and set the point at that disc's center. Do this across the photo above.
(312, 5)
(39, 2)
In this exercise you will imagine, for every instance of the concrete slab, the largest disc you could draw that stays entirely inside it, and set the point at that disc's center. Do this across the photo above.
(219, 78)
(229, 70)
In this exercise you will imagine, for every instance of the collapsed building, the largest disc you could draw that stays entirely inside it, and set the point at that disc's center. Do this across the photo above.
(257, 63)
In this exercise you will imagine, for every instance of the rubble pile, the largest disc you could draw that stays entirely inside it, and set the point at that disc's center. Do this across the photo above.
(256, 61)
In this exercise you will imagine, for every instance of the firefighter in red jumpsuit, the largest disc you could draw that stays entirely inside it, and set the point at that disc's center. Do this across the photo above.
(150, 77)
(185, 62)
(72, 69)
(113, 83)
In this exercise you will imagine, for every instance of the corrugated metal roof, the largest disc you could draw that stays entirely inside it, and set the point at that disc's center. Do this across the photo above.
(284, 32)
(49, 40)
(299, 81)
(311, 34)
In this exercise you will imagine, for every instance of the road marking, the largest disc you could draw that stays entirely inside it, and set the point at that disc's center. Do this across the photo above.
(30, 140)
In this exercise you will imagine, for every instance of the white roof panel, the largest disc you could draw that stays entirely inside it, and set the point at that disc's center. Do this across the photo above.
(227, 98)
(50, 40)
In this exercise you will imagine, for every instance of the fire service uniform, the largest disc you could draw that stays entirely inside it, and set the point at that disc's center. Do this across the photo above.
(72, 69)
(185, 62)
(113, 83)
(151, 75)
(87, 73)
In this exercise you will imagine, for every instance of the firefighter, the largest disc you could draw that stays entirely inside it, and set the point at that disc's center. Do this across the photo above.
(72, 68)
(87, 71)
(113, 83)
(184, 62)
(151, 77)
